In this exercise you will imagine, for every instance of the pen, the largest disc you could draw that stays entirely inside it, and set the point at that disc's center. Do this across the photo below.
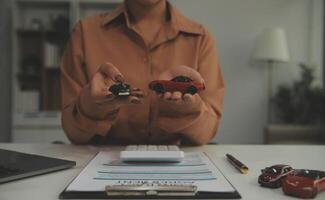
(236, 163)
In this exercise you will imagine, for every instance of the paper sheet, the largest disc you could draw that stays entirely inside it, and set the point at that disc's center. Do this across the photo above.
(107, 169)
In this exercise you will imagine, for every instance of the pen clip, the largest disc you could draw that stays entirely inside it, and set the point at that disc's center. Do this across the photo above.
(237, 164)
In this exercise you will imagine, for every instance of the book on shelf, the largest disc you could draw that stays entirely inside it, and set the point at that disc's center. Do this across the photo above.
(51, 55)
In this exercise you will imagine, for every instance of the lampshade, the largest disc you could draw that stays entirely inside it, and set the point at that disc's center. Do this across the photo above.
(272, 45)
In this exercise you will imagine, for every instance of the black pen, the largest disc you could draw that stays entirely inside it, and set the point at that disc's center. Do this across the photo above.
(236, 163)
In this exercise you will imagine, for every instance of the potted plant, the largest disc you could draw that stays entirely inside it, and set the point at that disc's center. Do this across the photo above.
(299, 110)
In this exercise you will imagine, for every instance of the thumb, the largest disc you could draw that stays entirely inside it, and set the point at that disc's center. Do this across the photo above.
(110, 71)
(191, 73)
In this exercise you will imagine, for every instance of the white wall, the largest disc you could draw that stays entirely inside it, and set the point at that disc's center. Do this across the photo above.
(235, 25)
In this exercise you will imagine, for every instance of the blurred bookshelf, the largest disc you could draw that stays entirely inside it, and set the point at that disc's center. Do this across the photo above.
(40, 31)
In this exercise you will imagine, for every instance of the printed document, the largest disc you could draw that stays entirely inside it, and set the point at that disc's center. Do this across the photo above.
(107, 169)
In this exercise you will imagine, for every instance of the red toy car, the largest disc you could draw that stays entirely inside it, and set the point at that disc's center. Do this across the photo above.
(304, 183)
(179, 83)
(272, 176)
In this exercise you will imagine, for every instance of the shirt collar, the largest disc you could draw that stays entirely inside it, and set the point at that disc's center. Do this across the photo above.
(178, 21)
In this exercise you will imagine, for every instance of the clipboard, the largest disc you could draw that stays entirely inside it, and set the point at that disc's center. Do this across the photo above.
(154, 194)
(148, 190)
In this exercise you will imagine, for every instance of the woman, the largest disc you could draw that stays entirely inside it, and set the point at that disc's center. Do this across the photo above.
(140, 41)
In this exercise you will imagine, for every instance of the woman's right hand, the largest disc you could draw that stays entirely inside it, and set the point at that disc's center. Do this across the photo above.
(97, 102)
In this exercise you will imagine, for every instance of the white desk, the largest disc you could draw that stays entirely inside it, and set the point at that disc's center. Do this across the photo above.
(48, 187)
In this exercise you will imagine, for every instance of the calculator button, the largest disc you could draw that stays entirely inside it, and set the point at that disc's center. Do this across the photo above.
(152, 148)
(173, 148)
(142, 148)
(162, 148)
(131, 148)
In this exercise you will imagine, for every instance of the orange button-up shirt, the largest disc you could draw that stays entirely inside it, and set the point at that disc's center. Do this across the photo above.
(111, 38)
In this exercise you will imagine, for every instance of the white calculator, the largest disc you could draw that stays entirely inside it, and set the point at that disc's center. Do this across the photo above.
(152, 153)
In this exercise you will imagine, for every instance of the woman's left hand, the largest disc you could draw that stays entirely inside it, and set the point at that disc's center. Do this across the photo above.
(178, 97)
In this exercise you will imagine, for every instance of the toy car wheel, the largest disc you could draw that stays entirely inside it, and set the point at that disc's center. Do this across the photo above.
(314, 194)
(278, 184)
(114, 89)
(191, 90)
(158, 88)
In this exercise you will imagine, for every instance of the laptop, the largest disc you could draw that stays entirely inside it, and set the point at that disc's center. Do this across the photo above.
(16, 165)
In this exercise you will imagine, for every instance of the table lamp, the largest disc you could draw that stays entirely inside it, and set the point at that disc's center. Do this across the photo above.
(271, 47)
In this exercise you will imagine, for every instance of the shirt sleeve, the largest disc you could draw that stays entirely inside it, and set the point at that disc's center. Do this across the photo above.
(78, 127)
(198, 123)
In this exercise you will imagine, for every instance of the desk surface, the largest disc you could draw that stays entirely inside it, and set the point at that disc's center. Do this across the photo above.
(48, 187)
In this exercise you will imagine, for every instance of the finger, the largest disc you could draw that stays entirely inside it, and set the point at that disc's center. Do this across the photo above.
(99, 85)
(110, 71)
(176, 96)
(108, 98)
(161, 96)
(134, 100)
(188, 98)
(167, 95)
(137, 91)
(192, 73)
(137, 94)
